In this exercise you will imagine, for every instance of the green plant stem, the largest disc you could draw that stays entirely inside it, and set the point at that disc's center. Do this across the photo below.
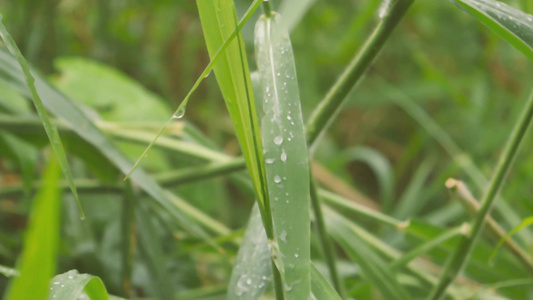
(472, 206)
(327, 245)
(267, 8)
(463, 250)
(128, 242)
(330, 106)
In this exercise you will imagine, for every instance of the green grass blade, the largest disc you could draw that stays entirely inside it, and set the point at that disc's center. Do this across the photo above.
(320, 286)
(374, 268)
(252, 270)
(38, 259)
(285, 151)
(72, 285)
(51, 131)
(180, 111)
(513, 25)
(219, 21)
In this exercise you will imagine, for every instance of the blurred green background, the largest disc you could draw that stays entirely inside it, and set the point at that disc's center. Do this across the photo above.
(132, 62)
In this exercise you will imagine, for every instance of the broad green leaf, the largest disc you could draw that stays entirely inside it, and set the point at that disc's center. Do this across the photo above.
(38, 259)
(285, 152)
(512, 24)
(51, 130)
(374, 268)
(75, 286)
(219, 21)
(113, 94)
(252, 270)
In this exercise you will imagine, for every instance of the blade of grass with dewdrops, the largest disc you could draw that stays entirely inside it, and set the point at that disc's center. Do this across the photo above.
(286, 155)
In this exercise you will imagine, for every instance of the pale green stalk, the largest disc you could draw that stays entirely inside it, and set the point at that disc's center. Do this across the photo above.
(462, 252)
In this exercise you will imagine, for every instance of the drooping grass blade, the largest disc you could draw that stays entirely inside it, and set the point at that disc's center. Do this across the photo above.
(51, 131)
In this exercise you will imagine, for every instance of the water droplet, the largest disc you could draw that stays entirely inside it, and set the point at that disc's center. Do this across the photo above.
(179, 113)
(289, 117)
(283, 156)
(278, 140)
(269, 161)
(56, 282)
(279, 74)
(283, 236)
(277, 179)
(248, 281)
(209, 73)
(296, 255)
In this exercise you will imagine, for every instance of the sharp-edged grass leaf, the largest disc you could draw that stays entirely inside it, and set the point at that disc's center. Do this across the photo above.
(51, 130)
(75, 286)
(38, 260)
(219, 21)
(252, 270)
(512, 24)
(286, 156)
(320, 286)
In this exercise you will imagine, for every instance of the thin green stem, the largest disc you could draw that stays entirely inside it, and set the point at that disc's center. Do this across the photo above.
(128, 242)
(267, 8)
(472, 206)
(327, 245)
(330, 106)
(463, 250)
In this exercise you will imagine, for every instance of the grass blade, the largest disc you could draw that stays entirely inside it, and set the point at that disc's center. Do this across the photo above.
(51, 131)
(285, 151)
(513, 25)
(219, 21)
(321, 287)
(72, 285)
(252, 270)
(38, 259)
(180, 111)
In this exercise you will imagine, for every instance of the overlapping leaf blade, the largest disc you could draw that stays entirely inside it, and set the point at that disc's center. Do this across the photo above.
(512, 24)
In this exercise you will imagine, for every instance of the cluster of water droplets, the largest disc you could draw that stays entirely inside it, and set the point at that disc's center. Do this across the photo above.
(515, 20)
